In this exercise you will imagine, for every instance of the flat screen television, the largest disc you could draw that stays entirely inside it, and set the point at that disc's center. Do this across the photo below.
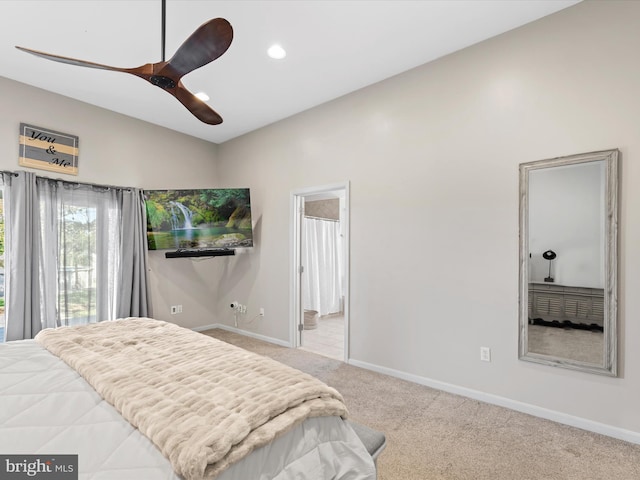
(208, 219)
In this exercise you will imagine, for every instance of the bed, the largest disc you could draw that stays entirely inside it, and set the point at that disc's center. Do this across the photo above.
(139, 398)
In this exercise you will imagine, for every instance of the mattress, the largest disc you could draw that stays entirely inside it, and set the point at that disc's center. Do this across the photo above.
(46, 407)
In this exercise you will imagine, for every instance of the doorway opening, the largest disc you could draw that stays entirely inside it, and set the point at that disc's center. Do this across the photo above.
(320, 260)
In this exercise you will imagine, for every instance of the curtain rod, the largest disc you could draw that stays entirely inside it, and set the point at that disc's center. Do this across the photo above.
(71, 182)
(320, 218)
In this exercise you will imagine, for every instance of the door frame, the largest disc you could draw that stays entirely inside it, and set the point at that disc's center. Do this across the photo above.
(296, 308)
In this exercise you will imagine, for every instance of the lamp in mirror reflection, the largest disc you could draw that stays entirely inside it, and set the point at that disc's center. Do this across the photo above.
(549, 255)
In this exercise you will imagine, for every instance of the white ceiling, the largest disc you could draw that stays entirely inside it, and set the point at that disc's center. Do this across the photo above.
(333, 48)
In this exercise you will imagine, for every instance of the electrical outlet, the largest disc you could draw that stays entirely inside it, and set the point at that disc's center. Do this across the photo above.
(485, 354)
(261, 311)
(174, 309)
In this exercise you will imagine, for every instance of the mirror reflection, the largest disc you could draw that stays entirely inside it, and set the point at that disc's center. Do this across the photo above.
(567, 278)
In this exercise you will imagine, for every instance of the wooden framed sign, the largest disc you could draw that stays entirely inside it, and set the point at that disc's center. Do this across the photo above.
(46, 149)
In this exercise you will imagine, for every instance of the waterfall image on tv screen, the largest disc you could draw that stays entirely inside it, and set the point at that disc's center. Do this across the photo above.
(204, 219)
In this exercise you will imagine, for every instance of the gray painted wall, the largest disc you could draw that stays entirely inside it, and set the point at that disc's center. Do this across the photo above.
(432, 158)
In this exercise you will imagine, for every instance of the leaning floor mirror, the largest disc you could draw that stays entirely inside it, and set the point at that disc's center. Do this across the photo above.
(568, 262)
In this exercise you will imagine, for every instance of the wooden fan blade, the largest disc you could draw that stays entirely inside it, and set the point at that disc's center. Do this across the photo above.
(207, 43)
(197, 107)
(70, 61)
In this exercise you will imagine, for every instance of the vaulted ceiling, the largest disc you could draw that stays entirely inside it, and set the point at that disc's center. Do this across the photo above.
(333, 48)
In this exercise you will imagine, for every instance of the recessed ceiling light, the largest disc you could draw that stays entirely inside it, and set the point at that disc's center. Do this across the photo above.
(202, 96)
(277, 52)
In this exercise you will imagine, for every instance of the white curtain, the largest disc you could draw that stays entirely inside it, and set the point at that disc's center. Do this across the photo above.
(75, 254)
(323, 266)
(80, 230)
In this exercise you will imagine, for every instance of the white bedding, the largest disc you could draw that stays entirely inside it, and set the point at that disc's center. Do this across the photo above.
(46, 407)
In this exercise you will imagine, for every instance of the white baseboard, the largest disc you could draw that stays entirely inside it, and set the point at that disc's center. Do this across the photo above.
(559, 417)
(205, 327)
(257, 336)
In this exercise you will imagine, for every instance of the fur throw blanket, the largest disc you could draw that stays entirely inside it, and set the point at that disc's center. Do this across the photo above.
(204, 403)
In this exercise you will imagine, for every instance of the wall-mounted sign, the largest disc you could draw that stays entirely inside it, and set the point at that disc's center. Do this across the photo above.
(48, 150)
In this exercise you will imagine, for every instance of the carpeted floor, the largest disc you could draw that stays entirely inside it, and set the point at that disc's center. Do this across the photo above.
(437, 435)
(581, 345)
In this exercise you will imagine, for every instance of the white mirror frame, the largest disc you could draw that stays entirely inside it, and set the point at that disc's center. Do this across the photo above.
(609, 363)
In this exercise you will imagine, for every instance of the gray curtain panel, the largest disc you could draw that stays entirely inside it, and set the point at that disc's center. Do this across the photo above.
(22, 256)
(133, 294)
(49, 225)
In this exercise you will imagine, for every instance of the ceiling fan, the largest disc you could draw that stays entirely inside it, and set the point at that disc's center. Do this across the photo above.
(207, 43)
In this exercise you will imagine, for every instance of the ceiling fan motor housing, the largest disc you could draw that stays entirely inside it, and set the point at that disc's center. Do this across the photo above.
(162, 82)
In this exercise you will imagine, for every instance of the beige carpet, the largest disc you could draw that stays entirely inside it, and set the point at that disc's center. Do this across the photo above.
(437, 435)
(570, 343)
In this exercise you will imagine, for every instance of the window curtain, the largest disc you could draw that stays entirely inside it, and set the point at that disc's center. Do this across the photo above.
(22, 262)
(76, 254)
(133, 292)
(322, 256)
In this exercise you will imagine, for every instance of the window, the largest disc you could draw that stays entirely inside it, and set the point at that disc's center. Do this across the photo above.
(76, 253)
(80, 240)
(77, 265)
